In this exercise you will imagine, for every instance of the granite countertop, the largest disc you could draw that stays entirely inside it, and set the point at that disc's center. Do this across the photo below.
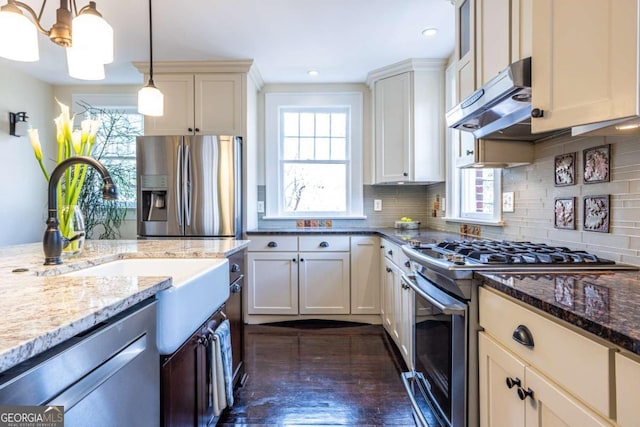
(605, 303)
(41, 309)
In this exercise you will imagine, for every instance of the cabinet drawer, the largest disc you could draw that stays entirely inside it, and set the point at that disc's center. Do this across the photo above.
(394, 252)
(324, 243)
(579, 364)
(273, 243)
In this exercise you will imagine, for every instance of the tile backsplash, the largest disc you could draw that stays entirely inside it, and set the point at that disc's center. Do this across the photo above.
(397, 201)
(535, 191)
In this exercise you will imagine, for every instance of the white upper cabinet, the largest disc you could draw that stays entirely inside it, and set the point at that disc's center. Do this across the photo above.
(585, 62)
(408, 100)
(178, 106)
(465, 48)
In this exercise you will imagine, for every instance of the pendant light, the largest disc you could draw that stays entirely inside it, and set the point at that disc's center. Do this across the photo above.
(150, 99)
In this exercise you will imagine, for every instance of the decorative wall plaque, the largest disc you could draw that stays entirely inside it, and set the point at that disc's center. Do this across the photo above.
(596, 213)
(597, 165)
(565, 213)
(565, 169)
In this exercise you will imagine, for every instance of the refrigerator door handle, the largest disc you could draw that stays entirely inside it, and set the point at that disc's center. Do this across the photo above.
(187, 186)
(179, 187)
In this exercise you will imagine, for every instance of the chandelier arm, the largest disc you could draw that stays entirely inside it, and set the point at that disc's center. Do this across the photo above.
(35, 17)
(75, 8)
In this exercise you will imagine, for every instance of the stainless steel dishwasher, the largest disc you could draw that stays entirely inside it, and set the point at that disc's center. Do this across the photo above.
(107, 376)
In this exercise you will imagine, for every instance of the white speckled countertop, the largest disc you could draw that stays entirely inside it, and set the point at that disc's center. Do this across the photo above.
(41, 309)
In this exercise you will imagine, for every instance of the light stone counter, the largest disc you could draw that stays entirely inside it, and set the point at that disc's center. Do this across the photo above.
(40, 309)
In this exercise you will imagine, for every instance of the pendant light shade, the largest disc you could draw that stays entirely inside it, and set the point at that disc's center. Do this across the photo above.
(84, 64)
(150, 99)
(18, 35)
(91, 32)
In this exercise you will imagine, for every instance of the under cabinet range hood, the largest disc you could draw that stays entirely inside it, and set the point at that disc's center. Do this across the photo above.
(501, 109)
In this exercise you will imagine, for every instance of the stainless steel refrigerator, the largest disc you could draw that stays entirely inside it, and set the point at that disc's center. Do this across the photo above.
(189, 186)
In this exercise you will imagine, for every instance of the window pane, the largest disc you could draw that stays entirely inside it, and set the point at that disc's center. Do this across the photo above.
(323, 124)
(338, 149)
(290, 124)
(314, 187)
(478, 191)
(307, 127)
(339, 124)
(323, 149)
(306, 149)
(290, 149)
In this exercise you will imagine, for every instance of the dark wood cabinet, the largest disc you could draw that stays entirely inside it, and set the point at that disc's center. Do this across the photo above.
(233, 310)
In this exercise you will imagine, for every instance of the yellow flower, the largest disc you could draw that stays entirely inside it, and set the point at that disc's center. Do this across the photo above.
(76, 140)
(35, 143)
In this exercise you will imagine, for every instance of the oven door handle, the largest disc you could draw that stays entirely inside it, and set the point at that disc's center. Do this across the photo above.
(448, 307)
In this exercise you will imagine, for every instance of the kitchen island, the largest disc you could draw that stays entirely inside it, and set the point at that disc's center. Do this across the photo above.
(40, 308)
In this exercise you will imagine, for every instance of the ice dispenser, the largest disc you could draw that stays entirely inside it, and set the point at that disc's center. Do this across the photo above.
(154, 205)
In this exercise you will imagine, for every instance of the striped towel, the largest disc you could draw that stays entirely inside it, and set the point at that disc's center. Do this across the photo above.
(217, 392)
(222, 336)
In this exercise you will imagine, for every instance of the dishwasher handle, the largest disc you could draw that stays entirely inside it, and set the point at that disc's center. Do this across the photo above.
(442, 302)
(83, 388)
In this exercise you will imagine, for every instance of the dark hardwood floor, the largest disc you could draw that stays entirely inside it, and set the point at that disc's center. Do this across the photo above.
(320, 374)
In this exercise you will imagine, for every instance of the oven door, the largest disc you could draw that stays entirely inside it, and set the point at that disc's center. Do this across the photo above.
(440, 345)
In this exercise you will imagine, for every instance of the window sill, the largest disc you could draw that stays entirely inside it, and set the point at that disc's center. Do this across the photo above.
(332, 217)
(476, 221)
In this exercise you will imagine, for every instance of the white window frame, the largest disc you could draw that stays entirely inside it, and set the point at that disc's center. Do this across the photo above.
(274, 102)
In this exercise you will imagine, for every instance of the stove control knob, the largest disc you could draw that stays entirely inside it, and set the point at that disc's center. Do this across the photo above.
(458, 259)
(448, 257)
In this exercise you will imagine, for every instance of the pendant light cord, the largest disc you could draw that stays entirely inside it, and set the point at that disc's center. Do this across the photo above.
(150, 47)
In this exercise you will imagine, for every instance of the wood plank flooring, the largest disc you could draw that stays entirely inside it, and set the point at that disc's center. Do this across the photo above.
(320, 374)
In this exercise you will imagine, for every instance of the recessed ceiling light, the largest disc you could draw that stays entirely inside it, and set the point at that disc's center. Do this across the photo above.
(313, 73)
(429, 32)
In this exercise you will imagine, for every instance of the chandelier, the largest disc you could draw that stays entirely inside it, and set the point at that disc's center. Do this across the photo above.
(87, 37)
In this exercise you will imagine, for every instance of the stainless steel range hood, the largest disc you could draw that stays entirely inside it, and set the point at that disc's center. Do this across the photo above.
(501, 109)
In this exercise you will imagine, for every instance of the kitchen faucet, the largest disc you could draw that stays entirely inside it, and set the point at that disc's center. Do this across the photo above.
(53, 241)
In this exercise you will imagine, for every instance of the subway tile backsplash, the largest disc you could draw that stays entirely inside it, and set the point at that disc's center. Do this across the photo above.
(535, 192)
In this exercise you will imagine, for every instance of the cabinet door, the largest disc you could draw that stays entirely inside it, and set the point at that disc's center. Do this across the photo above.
(180, 385)
(499, 404)
(521, 29)
(465, 146)
(390, 278)
(627, 389)
(365, 275)
(272, 282)
(324, 283)
(218, 104)
(465, 48)
(406, 296)
(493, 38)
(393, 128)
(178, 106)
(549, 405)
(585, 59)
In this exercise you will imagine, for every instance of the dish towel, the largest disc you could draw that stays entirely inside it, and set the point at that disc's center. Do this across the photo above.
(222, 336)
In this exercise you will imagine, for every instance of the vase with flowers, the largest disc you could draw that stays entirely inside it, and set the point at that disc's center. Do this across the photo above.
(78, 142)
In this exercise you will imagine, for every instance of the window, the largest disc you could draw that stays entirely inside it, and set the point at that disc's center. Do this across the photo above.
(313, 155)
(480, 190)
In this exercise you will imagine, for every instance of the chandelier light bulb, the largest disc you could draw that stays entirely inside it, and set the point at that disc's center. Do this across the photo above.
(150, 101)
(91, 31)
(18, 35)
(84, 64)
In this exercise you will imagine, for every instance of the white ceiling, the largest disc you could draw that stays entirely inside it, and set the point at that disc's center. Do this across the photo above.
(342, 39)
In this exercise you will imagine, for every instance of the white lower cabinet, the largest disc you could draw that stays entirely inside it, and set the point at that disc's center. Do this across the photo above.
(397, 300)
(293, 275)
(561, 378)
(513, 393)
(628, 389)
(365, 275)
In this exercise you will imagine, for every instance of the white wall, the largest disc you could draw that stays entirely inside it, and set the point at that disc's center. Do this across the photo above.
(23, 188)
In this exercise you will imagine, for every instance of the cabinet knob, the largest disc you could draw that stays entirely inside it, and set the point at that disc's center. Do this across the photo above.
(190, 129)
(390, 252)
(536, 113)
(235, 268)
(197, 129)
(272, 244)
(388, 270)
(235, 288)
(301, 259)
(522, 335)
(407, 264)
(469, 152)
(324, 244)
(405, 174)
(512, 382)
(523, 394)
(294, 260)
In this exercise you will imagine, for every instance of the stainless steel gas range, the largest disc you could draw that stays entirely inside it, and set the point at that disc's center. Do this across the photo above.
(444, 380)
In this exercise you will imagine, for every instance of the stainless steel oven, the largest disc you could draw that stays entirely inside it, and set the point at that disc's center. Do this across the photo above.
(440, 345)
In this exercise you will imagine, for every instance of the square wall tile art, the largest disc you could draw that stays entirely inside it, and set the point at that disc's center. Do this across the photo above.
(565, 213)
(597, 165)
(596, 213)
(565, 169)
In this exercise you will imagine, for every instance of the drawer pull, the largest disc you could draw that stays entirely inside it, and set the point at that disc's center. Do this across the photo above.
(523, 394)
(407, 264)
(390, 252)
(235, 268)
(522, 335)
(324, 244)
(388, 270)
(272, 244)
(512, 382)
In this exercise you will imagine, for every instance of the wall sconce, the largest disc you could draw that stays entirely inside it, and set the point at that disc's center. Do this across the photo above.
(18, 124)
